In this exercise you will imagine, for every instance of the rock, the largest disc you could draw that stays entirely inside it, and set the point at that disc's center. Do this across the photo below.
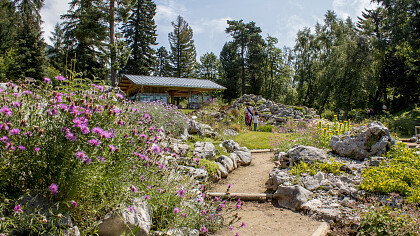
(235, 160)
(73, 231)
(244, 156)
(126, 220)
(223, 170)
(196, 173)
(292, 197)
(328, 214)
(306, 154)
(363, 142)
(180, 148)
(230, 146)
(319, 176)
(311, 183)
(226, 162)
(183, 232)
(278, 177)
(326, 184)
(230, 132)
(311, 205)
(374, 161)
(204, 150)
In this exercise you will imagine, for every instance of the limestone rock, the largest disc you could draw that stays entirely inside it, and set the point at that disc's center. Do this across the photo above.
(223, 170)
(292, 197)
(311, 205)
(244, 156)
(204, 150)
(230, 132)
(116, 223)
(235, 160)
(196, 173)
(311, 183)
(278, 177)
(230, 145)
(183, 232)
(371, 140)
(226, 162)
(306, 154)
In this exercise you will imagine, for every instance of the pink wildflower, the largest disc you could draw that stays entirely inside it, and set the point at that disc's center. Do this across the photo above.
(18, 209)
(176, 210)
(53, 188)
(73, 203)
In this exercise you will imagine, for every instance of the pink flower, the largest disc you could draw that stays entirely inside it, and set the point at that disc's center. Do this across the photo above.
(47, 80)
(131, 208)
(231, 227)
(134, 189)
(60, 78)
(15, 131)
(181, 192)
(204, 229)
(119, 96)
(243, 224)
(22, 147)
(18, 209)
(147, 197)
(156, 149)
(73, 203)
(94, 142)
(101, 159)
(176, 210)
(112, 148)
(4, 139)
(53, 188)
(81, 155)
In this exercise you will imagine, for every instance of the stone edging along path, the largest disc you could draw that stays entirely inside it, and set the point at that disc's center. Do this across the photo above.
(263, 217)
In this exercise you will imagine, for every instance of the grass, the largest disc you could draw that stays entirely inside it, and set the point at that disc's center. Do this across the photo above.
(254, 140)
(187, 111)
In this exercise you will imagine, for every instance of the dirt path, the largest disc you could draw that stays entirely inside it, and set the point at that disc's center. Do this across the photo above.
(262, 218)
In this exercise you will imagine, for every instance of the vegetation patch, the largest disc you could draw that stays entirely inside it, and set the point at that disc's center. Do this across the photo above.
(253, 140)
(400, 175)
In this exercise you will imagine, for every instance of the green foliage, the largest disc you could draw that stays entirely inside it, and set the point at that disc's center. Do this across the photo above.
(384, 220)
(210, 166)
(265, 128)
(183, 54)
(140, 35)
(403, 122)
(400, 175)
(208, 67)
(332, 166)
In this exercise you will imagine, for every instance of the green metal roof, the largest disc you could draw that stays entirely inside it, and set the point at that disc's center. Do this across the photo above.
(173, 82)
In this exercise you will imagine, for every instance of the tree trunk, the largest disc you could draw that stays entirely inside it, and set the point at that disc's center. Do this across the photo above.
(112, 42)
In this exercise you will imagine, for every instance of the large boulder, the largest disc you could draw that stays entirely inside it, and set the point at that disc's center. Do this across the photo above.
(226, 162)
(292, 197)
(127, 219)
(306, 154)
(230, 145)
(205, 150)
(244, 156)
(223, 171)
(235, 159)
(363, 142)
(196, 173)
(278, 177)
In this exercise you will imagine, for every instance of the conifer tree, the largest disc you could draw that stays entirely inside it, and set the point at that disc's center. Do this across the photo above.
(30, 56)
(183, 54)
(208, 68)
(140, 35)
(162, 62)
(56, 53)
(85, 33)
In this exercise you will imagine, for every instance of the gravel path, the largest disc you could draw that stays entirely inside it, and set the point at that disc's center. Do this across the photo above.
(265, 218)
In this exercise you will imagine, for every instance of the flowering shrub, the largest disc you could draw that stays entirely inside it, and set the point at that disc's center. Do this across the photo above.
(90, 151)
(400, 175)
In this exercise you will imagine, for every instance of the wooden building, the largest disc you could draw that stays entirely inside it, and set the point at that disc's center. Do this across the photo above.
(165, 89)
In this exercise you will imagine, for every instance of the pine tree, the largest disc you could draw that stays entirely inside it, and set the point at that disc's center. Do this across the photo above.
(56, 53)
(140, 34)
(8, 22)
(230, 70)
(183, 52)
(85, 33)
(162, 62)
(30, 56)
(208, 68)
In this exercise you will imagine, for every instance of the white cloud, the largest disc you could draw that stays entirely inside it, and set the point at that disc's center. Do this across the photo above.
(50, 14)
(351, 8)
(289, 28)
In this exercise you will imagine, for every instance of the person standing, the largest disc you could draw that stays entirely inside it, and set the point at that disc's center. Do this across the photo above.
(248, 115)
(255, 120)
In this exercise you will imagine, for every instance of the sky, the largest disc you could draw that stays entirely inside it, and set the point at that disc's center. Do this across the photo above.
(278, 18)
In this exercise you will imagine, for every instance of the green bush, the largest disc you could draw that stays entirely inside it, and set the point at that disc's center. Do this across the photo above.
(400, 175)
(266, 128)
(386, 221)
(210, 166)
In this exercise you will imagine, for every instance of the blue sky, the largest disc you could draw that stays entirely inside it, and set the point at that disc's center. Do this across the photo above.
(278, 18)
